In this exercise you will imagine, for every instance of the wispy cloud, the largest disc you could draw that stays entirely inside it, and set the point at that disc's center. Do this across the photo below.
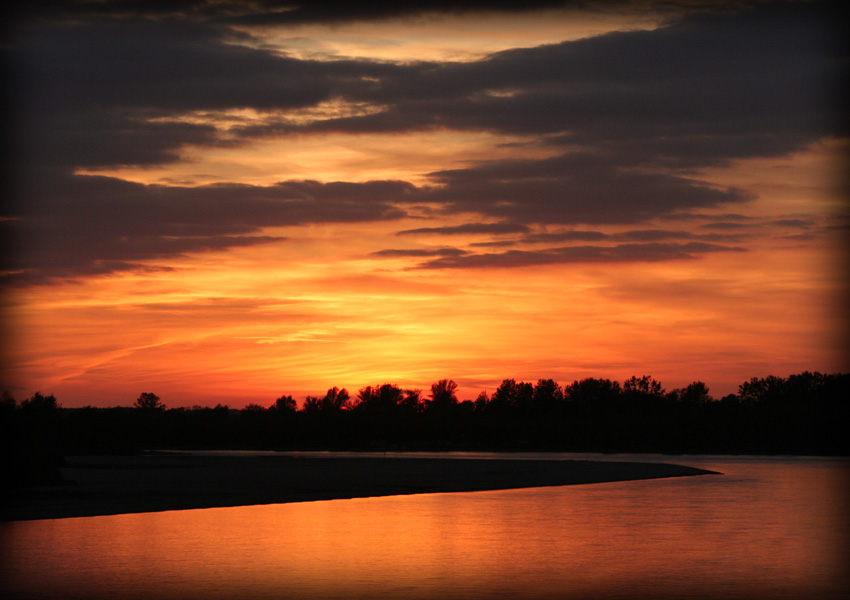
(469, 228)
(650, 252)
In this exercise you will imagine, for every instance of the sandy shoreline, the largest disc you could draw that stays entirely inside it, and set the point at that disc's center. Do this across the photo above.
(104, 485)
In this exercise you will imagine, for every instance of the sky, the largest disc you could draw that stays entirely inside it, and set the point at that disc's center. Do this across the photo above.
(225, 202)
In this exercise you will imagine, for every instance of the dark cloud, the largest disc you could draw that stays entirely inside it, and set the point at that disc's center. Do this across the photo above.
(700, 91)
(635, 112)
(795, 223)
(637, 235)
(802, 237)
(467, 228)
(332, 12)
(698, 216)
(420, 252)
(571, 189)
(112, 93)
(648, 245)
(657, 235)
(495, 244)
(730, 226)
(85, 225)
(839, 227)
(651, 252)
(340, 11)
(566, 236)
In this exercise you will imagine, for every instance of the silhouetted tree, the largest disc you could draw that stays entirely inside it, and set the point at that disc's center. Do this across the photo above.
(512, 395)
(806, 384)
(35, 437)
(7, 401)
(759, 391)
(695, 393)
(149, 401)
(40, 403)
(334, 400)
(412, 401)
(312, 404)
(805, 413)
(645, 385)
(547, 395)
(592, 391)
(730, 400)
(443, 394)
(284, 404)
(385, 398)
(481, 401)
(442, 398)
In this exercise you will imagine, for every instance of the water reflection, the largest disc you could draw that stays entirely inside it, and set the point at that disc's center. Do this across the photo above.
(765, 529)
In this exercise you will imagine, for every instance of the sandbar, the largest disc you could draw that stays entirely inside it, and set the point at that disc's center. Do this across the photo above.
(107, 485)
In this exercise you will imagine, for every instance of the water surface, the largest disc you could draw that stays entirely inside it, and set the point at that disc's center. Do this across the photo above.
(766, 528)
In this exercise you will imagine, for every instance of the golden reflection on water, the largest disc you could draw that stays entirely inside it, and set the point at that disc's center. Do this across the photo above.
(762, 530)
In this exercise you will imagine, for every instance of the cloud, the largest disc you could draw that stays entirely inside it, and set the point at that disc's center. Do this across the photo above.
(795, 223)
(730, 225)
(87, 225)
(652, 252)
(703, 90)
(111, 93)
(655, 235)
(336, 11)
(330, 12)
(420, 252)
(634, 113)
(571, 189)
(467, 228)
(636, 235)
(566, 236)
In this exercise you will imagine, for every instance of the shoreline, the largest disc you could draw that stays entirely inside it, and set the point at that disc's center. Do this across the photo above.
(109, 485)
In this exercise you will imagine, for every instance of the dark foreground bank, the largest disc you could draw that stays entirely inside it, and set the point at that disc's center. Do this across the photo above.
(104, 485)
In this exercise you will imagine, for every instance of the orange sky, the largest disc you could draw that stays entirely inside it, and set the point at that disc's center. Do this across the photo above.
(689, 287)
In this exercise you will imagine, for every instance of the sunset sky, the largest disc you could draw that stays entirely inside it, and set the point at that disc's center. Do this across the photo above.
(224, 202)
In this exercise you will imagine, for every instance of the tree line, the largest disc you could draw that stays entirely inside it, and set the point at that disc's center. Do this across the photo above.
(805, 413)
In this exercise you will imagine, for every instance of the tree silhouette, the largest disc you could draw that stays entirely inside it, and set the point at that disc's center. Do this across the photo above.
(695, 393)
(412, 401)
(512, 395)
(7, 401)
(385, 398)
(284, 404)
(312, 404)
(40, 403)
(481, 401)
(34, 438)
(801, 414)
(592, 391)
(334, 400)
(443, 394)
(645, 385)
(761, 391)
(546, 396)
(149, 401)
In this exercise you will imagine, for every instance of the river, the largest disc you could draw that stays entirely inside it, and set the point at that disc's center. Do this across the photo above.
(767, 527)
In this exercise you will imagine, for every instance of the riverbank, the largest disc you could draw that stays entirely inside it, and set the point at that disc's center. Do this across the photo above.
(105, 485)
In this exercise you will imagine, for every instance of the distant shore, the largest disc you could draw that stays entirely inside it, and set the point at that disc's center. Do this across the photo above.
(106, 485)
